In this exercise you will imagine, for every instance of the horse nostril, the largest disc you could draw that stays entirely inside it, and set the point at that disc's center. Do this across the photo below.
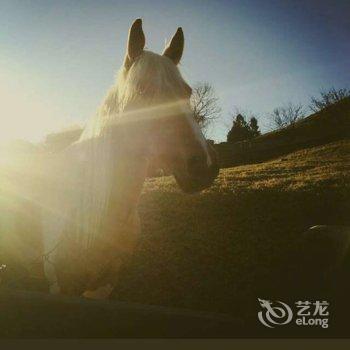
(196, 165)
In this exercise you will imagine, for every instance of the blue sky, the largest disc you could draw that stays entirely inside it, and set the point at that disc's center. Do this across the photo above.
(58, 58)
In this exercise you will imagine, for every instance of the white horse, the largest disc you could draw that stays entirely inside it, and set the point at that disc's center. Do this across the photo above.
(91, 224)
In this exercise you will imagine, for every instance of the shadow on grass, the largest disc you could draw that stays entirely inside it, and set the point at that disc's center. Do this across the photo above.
(219, 252)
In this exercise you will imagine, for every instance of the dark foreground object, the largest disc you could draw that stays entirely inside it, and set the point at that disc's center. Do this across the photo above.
(322, 274)
(39, 315)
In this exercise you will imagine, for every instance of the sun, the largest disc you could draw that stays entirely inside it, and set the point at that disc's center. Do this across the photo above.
(23, 115)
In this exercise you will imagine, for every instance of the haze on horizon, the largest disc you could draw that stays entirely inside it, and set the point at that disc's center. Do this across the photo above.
(58, 58)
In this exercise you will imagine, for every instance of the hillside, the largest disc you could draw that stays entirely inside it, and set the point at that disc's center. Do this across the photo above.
(330, 124)
(240, 240)
(223, 248)
(220, 250)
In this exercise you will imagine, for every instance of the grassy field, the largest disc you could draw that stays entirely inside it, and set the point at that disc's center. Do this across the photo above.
(239, 240)
(221, 249)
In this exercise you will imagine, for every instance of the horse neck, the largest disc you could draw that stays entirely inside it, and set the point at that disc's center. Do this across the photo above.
(129, 175)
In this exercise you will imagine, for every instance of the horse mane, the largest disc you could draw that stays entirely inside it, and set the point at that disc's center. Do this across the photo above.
(145, 81)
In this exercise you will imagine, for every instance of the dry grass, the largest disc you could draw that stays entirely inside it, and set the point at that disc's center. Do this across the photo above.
(220, 249)
(306, 169)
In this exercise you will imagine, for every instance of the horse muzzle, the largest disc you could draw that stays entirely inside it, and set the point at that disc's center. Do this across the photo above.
(200, 176)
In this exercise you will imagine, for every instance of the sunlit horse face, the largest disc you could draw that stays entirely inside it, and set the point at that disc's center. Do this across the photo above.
(154, 92)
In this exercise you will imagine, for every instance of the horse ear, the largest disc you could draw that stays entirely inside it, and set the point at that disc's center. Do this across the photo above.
(176, 47)
(136, 42)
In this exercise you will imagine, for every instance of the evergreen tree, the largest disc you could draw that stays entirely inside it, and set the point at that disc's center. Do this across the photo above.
(254, 127)
(241, 130)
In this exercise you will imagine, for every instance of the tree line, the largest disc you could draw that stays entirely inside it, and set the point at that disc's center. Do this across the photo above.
(245, 126)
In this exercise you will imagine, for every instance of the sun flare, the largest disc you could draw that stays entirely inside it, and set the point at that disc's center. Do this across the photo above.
(22, 115)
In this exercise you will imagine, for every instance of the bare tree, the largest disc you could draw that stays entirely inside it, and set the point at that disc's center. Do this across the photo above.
(204, 104)
(286, 115)
(328, 98)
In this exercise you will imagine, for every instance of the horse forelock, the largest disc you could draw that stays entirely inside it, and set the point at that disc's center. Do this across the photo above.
(151, 79)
